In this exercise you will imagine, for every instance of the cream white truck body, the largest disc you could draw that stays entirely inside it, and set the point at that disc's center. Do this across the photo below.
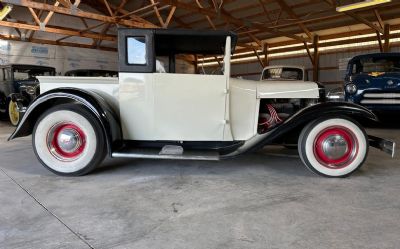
(185, 107)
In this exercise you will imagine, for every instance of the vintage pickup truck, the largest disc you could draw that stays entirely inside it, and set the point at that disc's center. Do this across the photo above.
(147, 113)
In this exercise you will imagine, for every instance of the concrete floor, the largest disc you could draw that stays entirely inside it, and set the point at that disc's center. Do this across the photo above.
(263, 200)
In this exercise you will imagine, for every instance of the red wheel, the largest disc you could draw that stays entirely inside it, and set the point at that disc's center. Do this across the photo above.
(69, 140)
(333, 147)
(66, 141)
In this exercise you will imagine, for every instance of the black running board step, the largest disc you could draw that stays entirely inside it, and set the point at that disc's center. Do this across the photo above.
(152, 153)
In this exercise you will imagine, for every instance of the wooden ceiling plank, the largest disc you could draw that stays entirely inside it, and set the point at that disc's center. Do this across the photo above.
(79, 13)
(58, 30)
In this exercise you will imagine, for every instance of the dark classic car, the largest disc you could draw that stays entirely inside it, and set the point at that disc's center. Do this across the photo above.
(92, 73)
(373, 80)
(18, 88)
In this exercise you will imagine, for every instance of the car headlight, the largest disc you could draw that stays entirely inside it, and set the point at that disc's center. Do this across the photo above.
(351, 88)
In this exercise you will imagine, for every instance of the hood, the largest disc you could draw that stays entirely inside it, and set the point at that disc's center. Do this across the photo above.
(381, 81)
(287, 89)
(30, 82)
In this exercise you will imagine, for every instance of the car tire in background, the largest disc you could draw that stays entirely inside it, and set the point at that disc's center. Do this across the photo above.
(333, 147)
(69, 140)
(13, 112)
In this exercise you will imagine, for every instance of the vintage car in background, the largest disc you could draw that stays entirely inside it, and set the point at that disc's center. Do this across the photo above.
(145, 113)
(373, 81)
(91, 73)
(278, 73)
(19, 87)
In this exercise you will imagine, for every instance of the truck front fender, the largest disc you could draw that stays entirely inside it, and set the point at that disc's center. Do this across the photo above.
(296, 123)
(105, 114)
(329, 109)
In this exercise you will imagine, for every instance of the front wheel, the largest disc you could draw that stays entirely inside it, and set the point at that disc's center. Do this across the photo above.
(68, 140)
(333, 147)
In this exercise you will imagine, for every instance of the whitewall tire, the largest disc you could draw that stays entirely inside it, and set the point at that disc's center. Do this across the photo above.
(333, 147)
(68, 140)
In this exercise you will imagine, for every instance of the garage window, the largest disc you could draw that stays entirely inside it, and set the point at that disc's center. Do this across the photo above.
(136, 49)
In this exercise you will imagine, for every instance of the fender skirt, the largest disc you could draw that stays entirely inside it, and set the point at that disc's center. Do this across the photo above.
(302, 118)
(107, 117)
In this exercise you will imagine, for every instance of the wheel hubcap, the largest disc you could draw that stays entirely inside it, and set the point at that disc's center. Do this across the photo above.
(66, 141)
(335, 147)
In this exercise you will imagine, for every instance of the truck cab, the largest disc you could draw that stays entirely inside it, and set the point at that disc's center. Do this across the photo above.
(153, 110)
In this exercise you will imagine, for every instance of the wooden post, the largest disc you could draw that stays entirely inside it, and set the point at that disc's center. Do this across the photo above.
(316, 59)
(386, 35)
(265, 50)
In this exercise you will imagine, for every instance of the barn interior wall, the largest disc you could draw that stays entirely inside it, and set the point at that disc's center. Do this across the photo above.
(330, 77)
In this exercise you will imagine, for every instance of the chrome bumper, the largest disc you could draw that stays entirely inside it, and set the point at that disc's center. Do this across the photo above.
(384, 145)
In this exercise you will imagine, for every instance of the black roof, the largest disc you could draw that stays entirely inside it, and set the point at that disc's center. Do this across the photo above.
(374, 55)
(183, 41)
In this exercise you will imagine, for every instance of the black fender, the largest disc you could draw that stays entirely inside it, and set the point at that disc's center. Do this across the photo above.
(108, 118)
(329, 109)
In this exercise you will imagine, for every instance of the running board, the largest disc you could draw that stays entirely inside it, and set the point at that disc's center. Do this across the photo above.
(384, 145)
(150, 153)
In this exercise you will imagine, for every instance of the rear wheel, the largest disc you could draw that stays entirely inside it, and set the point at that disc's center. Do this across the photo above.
(68, 140)
(333, 147)
(13, 112)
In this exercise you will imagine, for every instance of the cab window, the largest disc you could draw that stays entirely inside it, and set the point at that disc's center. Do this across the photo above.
(136, 49)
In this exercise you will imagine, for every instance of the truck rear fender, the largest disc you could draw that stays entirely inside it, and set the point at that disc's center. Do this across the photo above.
(106, 115)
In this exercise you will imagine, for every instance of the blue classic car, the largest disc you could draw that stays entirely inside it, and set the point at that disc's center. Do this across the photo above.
(373, 80)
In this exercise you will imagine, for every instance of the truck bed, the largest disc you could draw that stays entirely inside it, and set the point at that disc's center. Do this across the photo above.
(107, 87)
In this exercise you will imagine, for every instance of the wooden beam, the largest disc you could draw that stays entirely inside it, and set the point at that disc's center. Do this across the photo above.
(386, 34)
(259, 58)
(266, 54)
(108, 8)
(171, 13)
(379, 18)
(66, 3)
(364, 21)
(231, 19)
(157, 14)
(378, 36)
(316, 58)
(139, 23)
(50, 14)
(58, 31)
(51, 42)
(83, 30)
(309, 53)
(35, 17)
(293, 15)
(138, 10)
